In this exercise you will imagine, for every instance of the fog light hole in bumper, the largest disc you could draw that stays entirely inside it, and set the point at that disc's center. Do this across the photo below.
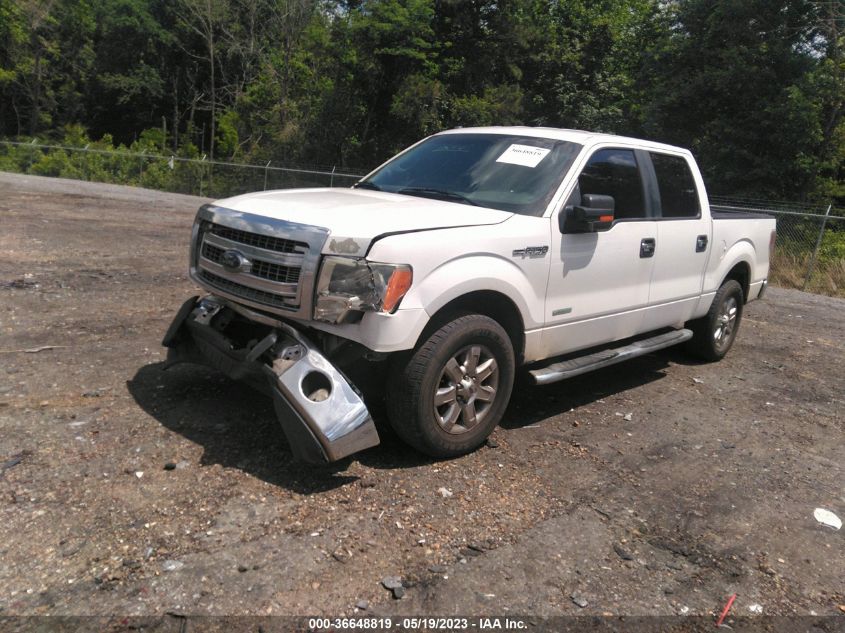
(316, 386)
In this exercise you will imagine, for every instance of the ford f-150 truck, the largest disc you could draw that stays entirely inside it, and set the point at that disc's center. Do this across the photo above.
(469, 255)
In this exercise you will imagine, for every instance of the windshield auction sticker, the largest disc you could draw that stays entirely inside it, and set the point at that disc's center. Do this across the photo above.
(524, 155)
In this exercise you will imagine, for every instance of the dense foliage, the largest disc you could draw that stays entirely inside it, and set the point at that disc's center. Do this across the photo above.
(754, 87)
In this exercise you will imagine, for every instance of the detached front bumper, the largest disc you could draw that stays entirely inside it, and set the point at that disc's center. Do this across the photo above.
(322, 415)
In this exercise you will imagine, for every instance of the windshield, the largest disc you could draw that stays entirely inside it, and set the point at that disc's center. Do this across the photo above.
(500, 171)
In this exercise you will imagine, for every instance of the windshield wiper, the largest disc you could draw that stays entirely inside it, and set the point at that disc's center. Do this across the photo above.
(437, 193)
(366, 184)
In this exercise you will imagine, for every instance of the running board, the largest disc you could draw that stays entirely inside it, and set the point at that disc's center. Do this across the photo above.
(577, 366)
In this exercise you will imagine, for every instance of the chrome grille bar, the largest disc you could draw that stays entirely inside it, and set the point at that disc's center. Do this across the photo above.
(250, 280)
(258, 268)
(255, 253)
(267, 242)
(243, 292)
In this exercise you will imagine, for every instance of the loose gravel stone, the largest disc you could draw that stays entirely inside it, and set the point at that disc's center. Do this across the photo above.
(391, 582)
(623, 553)
(579, 600)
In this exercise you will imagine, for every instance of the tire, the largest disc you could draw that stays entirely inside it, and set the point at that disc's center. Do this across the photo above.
(714, 333)
(449, 395)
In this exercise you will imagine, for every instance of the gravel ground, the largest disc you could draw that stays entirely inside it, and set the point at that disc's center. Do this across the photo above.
(660, 486)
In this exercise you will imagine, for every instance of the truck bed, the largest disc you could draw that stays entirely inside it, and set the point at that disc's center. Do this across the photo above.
(731, 213)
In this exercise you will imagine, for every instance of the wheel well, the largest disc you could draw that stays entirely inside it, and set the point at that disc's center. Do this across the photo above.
(490, 303)
(742, 274)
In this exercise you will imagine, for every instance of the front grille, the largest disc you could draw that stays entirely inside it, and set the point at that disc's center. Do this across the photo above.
(260, 268)
(275, 272)
(245, 292)
(212, 253)
(283, 259)
(278, 244)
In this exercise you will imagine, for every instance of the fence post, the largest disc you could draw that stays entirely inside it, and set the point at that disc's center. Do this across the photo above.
(31, 155)
(331, 180)
(85, 158)
(816, 249)
(266, 167)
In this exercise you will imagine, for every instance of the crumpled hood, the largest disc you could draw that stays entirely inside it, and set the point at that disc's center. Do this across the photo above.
(356, 216)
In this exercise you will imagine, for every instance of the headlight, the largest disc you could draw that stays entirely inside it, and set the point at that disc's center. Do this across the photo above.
(348, 287)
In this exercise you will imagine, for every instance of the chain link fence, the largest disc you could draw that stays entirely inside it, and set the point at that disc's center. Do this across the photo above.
(810, 248)
(201, 177)
(810, 251)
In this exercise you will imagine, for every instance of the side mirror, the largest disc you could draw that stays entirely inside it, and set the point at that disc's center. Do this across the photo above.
(595, 213)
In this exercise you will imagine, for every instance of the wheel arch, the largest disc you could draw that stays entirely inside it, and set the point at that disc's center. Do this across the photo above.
(489, 303)
(741, 273)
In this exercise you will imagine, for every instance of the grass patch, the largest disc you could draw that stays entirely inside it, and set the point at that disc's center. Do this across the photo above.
(789, 270)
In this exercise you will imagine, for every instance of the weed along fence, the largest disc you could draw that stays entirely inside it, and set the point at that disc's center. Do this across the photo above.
(810, 251)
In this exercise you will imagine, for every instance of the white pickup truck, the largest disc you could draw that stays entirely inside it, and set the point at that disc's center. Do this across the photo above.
(469, 255)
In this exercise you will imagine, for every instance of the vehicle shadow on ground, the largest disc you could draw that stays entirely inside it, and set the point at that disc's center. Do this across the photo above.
(237, 427)
(532, 403)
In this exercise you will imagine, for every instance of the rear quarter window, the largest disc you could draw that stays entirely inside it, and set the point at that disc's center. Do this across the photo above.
(678, 194)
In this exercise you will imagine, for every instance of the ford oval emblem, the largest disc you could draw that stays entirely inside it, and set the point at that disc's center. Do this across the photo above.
(233, 260)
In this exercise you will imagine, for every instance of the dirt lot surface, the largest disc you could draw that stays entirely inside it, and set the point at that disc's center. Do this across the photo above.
(660, 486)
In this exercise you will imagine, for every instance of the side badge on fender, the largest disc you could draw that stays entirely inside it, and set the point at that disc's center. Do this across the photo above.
(531, 251)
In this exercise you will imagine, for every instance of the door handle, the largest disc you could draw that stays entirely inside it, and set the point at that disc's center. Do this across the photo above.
(647, 246)
(701, 244)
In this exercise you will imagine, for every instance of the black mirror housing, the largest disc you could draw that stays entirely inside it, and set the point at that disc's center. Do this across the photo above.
(594, 214)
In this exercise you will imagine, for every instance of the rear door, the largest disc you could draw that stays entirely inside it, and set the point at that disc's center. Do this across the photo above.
(683, 241)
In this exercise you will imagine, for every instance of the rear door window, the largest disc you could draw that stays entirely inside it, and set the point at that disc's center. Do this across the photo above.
(678, 194)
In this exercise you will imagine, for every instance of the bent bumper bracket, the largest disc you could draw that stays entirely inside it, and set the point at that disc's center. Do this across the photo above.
(322, 415)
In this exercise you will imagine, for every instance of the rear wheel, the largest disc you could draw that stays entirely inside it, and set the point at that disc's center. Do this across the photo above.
(714, 333)
(453, 390)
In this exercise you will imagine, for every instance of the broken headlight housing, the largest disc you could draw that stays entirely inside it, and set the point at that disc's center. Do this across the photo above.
(347, 287)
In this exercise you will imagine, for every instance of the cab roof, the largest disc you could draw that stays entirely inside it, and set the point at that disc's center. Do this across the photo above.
(581, 137)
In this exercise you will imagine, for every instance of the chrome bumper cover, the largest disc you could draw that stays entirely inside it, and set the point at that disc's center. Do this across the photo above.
(322, 415)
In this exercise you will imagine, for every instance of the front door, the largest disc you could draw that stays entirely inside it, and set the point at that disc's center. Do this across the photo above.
(599, 282)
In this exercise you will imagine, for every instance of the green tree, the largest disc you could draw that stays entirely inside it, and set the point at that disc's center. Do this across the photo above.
(730, 83)
(31, 58)
(129, 88)
(206, 19)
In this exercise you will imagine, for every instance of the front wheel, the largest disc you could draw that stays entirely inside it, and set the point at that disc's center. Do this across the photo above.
(452, 392)
(714, 333)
